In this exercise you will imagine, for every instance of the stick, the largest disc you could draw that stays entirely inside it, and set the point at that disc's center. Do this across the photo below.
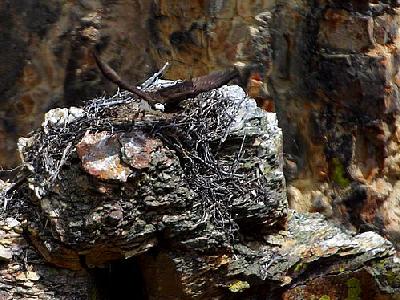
(171, 95)
(111, 75)
(153, 78)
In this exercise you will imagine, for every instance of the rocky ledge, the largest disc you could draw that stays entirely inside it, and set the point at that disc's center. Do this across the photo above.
(118, 198)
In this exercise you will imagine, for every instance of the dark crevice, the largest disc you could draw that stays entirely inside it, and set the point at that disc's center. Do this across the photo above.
(119, 280)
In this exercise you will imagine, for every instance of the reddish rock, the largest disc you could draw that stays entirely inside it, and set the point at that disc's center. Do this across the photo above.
(100, 156)
(137, 148)
(335, 85)
(341, 30)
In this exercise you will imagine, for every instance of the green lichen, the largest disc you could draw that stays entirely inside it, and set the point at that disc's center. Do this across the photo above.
(390, 277)
(325, 297)
(300, 267)
(393, 278)
(338, 173)
(385, 271)
(238, 286)
(380, 263)
(267, 169)
(353, 289)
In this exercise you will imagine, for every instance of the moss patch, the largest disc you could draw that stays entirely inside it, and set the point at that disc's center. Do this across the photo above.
(300, 267)
(338, 174)
(353, 289)
(238, 286)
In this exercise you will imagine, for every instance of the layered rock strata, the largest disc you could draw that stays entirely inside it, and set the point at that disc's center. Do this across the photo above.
(335, 83)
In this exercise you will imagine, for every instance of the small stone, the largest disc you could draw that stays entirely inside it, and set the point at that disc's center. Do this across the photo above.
(11, 222)
(32, 276)
(100, 156)
(115, 216)
(137, 148)
(91, 33)
(5, 253)
(239, 286)
(320, 203)
(286, 280)
(92, 19)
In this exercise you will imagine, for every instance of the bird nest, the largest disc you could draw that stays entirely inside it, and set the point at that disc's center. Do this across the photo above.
(203, 134)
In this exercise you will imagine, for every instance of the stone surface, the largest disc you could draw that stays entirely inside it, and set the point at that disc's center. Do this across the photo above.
(100, 156)
(156, 181)
(26, 275)
(46, 61)
(307, 260)
(164, 232)
(151, 227)
(335, 86)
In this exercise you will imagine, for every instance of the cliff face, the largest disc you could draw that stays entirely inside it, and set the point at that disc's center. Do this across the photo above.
(335, 80)
(45, 60)
(336, 86)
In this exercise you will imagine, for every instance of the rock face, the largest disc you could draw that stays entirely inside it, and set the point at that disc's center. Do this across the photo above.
(45, 59)
(221, 176)
(335, 82)
(25, 274)
(120, 199)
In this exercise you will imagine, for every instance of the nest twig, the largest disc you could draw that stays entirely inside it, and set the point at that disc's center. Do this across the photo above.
(171, 96)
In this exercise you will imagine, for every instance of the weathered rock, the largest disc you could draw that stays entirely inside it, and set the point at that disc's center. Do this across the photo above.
(100, 156)
(26, 275)
(111, 209)
(336, 92)
(160, 197)
(201, 214)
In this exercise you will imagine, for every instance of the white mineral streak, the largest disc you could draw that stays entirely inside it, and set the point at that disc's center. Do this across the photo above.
(111, 165)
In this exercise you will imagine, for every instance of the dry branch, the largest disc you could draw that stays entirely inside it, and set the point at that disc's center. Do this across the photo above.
(172, 95)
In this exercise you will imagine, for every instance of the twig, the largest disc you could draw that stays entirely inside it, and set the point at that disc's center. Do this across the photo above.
(111, 75)
(61, 163)
(155, 77)
(174, 94)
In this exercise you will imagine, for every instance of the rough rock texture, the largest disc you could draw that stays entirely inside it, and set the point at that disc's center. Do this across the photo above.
(45, 60)
(24, 274)
(166, 189)
(335, 83)
(121, 199)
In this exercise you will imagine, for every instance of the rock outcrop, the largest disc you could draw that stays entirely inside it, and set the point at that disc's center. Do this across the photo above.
(335, 83)
(120, 199)
(138, 179)
(45, 59)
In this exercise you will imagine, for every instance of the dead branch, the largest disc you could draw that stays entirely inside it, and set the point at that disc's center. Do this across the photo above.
(111, 75)
(155, 76)
(172, 95)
